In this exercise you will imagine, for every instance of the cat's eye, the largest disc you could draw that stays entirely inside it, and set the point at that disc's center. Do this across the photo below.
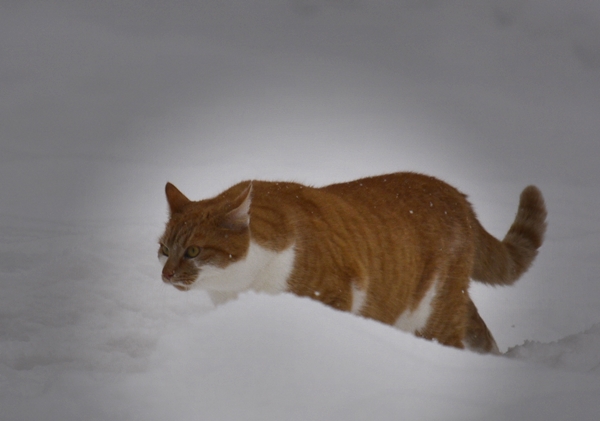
(192, 251)
(164, 250)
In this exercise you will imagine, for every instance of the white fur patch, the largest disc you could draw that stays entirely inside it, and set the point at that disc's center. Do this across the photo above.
(412, 321)
(358, 299)
(262, 270)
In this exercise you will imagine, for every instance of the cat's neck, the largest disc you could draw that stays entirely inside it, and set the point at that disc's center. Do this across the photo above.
(262, 270)
(275, 213)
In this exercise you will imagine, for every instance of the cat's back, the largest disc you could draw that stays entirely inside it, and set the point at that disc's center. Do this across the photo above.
(417, 195)
(410, 204)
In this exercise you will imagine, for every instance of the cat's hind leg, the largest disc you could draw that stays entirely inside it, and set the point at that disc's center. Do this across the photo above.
(447, 323)
(478, 337)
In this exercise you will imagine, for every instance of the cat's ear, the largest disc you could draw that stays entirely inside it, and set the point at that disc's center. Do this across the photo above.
(239, 217)
(175, 198)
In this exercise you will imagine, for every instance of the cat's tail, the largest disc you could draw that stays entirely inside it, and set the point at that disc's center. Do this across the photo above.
(503, 262)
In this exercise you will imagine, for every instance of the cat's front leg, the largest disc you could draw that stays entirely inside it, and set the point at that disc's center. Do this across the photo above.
(220, 297)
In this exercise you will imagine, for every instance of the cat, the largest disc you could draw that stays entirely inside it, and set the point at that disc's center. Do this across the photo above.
(398, 248)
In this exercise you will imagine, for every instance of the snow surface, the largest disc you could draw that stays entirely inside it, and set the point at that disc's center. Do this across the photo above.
(103, 102)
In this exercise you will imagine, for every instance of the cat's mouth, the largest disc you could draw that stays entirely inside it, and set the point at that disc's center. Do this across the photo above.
(181, 286)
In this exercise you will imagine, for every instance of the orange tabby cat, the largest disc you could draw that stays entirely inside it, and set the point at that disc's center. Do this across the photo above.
(398, 248)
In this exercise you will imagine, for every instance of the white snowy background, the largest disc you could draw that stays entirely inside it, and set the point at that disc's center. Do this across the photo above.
(103, 102)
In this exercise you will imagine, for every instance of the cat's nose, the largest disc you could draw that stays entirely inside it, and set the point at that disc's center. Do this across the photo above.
(168, 274)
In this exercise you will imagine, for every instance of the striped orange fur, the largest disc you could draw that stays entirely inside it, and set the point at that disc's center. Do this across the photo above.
(398, 248)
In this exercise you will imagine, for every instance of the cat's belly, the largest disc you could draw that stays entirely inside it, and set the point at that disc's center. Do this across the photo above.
(358, 299)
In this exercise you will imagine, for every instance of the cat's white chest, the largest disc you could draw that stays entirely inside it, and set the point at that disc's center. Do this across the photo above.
(262, 270)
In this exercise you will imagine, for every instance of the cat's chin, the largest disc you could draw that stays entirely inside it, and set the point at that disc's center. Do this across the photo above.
(182, 287)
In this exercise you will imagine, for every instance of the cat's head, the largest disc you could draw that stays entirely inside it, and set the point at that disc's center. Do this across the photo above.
(201, 237)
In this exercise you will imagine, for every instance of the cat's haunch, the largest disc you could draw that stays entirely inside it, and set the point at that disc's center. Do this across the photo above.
(398, 248)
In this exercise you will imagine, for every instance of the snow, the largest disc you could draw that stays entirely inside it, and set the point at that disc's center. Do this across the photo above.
(103, 102)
